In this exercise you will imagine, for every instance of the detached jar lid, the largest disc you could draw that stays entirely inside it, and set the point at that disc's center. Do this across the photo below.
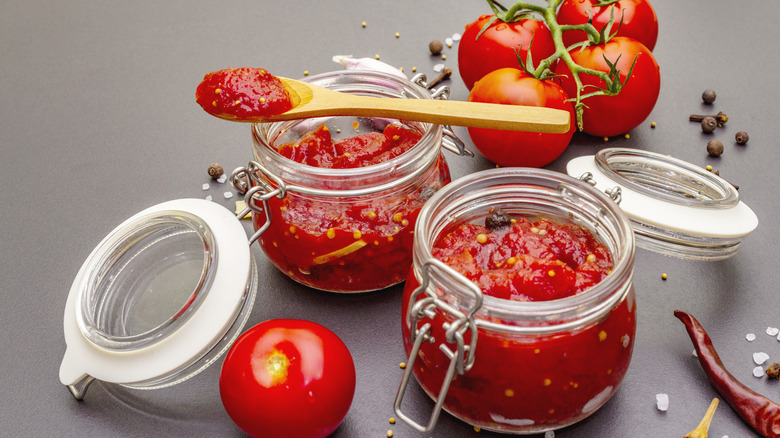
(675, 208)
(159, 299)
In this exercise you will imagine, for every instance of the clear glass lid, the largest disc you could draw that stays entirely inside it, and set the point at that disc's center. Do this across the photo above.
(159, 299)
(675, 208)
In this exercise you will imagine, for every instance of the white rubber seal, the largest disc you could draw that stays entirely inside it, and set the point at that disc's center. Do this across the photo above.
(209, 321)
(734, 222)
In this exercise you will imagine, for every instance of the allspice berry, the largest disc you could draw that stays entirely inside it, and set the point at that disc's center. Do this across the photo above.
(714, 148)
(708, 96)
(741, 137)
(708, 124)
(435, 47)
(216, 170)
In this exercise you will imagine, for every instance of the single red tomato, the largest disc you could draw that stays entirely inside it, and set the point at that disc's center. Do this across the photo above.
(636, 19)
(605, 116)
(512, 86)
(479, 54)
(287, 378)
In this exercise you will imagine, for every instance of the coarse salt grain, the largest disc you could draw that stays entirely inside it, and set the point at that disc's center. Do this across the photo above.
(695, 354)
(448, 42)
(206, 186)
(456, 37)
(662, 402)
(438, 68)
(760, 357)
(758, 371)
(222, 179)
(750, 337)
(549, 434)
(228, 195)
(209, 198)
(772, 331)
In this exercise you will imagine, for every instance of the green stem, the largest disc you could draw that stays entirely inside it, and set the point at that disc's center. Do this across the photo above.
(549, 15)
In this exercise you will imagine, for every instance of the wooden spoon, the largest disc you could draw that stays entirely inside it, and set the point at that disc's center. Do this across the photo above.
(310, 100)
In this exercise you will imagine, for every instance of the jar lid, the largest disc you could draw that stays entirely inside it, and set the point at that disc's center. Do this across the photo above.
(675, 208)
(159, 299)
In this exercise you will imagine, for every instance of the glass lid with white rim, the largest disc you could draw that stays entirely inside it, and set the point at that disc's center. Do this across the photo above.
(159, 299)
(675, 208)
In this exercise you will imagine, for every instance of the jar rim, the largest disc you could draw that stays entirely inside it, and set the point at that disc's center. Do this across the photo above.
(478, 191)
(369, 179)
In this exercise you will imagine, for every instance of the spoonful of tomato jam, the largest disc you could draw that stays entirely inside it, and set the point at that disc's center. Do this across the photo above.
(255, 96)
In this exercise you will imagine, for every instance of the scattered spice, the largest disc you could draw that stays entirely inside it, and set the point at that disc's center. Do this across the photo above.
(664, 276)
(742, 137)
(701, 430)
(216, 170)
(721, 118)
(758, 411)
(708, 124)
(497, 219)
(435, 47)
(709, 96)
(652, 124)
(363, 24)
(444, 75)
(715, 148)
(774, 371)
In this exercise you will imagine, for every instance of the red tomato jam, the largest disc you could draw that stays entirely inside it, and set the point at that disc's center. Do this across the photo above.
(525, 260)
(318, 148)
(350, 244)
(521, 381)
(242, 93)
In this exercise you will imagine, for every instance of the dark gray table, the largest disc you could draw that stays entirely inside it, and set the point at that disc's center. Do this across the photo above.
(99, 122)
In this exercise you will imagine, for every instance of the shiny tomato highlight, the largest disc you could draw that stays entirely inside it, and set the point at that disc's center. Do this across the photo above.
(287, 378)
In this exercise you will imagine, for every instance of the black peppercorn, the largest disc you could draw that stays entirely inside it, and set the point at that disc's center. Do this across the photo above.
(216, 170)
(714, 148)
(708, 96)
(435, 47)
(742, 137)
(708, 124)
(497, 219)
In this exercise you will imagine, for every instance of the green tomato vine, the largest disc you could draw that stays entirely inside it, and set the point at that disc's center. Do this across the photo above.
(520, 10)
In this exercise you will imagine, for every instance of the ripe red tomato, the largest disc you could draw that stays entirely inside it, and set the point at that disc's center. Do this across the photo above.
(512, 86)
(605, 116)
(494, 48)
(287, 378)
(638, 19)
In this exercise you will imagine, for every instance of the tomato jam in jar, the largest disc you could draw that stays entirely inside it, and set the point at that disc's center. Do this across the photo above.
(519, 313)
(328, 221)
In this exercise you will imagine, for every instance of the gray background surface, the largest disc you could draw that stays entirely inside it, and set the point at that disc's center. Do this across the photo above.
(98, 121)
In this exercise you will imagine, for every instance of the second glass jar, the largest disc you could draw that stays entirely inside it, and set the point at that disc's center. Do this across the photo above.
(520, 367)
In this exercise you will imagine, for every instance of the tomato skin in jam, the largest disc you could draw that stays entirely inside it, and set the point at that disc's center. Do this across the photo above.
(242, 93)
(348, 244)
(524, 382)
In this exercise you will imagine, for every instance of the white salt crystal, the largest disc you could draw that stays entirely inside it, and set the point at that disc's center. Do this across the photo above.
(750, 337)
(206, 186)
(662, 402)
(222, 178)
(758, 371)
(456, 37)
(228, 195)
(772, 331)
(695, 354)
(438, 68)
(448, 42)
(209, 198)
(760, 358)
(549, 434)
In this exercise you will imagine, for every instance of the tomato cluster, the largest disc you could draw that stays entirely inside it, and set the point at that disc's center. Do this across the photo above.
(494, 63)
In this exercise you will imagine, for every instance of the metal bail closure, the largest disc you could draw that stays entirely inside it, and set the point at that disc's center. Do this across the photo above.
(461, 359)
(255, 189)
(675, 208)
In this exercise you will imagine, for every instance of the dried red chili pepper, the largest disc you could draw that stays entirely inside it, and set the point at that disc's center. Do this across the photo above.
(758, 411)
